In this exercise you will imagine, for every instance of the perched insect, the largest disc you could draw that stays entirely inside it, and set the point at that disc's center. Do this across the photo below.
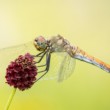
(57, 44)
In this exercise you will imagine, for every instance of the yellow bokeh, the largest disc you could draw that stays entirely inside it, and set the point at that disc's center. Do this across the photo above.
(85, 23)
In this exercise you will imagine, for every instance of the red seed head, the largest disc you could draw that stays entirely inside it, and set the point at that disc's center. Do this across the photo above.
(22, 72)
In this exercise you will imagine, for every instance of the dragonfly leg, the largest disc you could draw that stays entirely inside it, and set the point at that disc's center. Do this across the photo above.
(43, 54)
(41, 65)
(38, 55)
(48, 57)
(48, 61)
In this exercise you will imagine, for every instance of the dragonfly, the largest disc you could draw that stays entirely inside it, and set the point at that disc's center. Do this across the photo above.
(57, 44)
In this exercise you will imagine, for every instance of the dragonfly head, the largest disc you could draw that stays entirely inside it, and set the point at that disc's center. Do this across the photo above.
(40, 43)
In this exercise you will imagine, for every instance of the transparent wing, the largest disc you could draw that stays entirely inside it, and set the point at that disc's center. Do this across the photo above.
(67, 67)
(53, 71)
(9, 54)
(62, 66)
(58, 69)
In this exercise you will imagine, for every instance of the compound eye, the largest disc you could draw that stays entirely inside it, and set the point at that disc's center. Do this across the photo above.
(41, 43)
(38, 43)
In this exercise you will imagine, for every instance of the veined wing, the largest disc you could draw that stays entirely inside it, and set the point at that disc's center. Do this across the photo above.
(54, 66)
(11, 53)
(62, 67)
(67, 67)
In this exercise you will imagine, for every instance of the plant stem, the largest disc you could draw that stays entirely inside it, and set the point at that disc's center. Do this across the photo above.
(10, 99)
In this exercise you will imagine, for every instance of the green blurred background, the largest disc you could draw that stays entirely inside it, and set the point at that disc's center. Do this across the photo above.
(85, 23)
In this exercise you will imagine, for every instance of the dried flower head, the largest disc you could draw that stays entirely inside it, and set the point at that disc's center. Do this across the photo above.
(22, 72)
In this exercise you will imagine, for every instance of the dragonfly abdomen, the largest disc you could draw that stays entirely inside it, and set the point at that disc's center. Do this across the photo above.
(83, 56)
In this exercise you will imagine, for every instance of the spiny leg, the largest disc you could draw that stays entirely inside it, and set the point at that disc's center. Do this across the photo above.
(38, 55)
(41, 65)
(41, 57)
(48, 57)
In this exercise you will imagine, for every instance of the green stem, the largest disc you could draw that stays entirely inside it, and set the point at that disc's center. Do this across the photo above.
(10, 99)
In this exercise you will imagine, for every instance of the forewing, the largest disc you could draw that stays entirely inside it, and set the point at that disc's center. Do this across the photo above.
(61, 65)
(11, 53)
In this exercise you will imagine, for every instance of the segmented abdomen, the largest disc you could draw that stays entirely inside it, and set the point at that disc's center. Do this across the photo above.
(83, 56)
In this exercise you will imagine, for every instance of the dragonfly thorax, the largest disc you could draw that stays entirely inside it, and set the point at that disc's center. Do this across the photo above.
(40, 43)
